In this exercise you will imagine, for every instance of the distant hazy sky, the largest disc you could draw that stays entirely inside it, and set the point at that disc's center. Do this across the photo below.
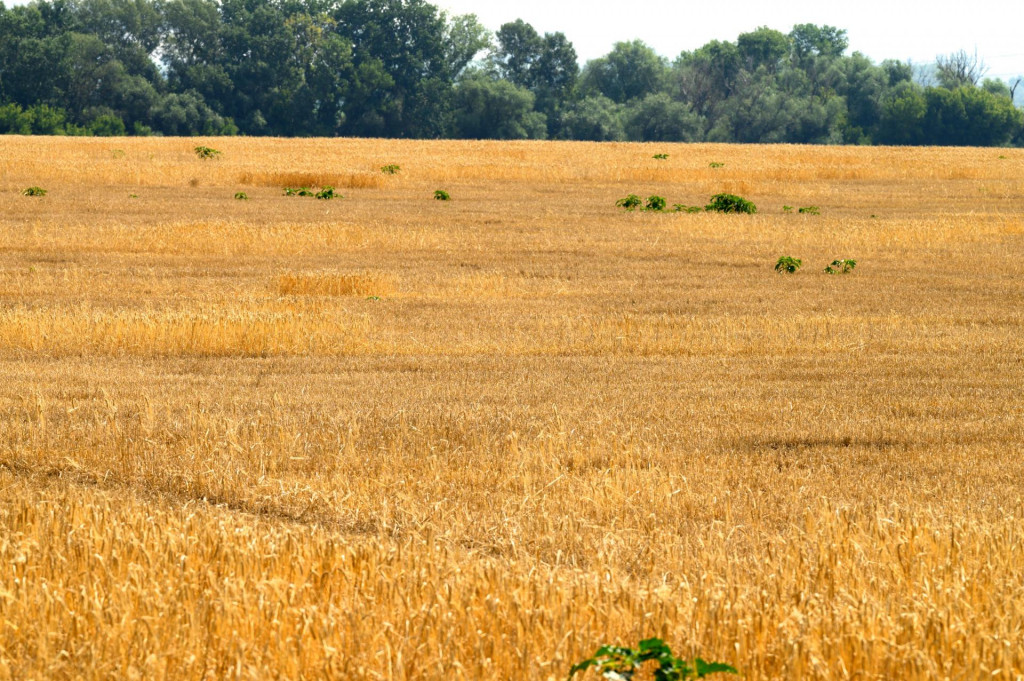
(881, 29)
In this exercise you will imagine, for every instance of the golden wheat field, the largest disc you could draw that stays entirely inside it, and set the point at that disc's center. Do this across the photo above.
(388, 437)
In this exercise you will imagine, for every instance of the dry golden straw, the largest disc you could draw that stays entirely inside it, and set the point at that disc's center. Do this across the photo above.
(385, 437)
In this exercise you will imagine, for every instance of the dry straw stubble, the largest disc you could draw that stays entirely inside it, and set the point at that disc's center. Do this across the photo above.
(561, 425)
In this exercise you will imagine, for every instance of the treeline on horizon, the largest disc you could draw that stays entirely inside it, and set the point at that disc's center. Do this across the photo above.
(403, 68)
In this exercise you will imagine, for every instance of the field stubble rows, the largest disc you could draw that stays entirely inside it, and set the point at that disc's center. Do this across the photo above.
(385, 437)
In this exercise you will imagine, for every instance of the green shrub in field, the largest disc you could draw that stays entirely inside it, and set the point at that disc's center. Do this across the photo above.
(326, 193)
(299, 191)
(390, 169)
(630, 202)
(715, 164)
(810, 210)
(655, 203)
(788, 265)
(661, 157)
(844, 266)
(241, 196)
(442, 195)
(34, 191)
(206, 152)
(683, 208)
(787, 209)
(730, 203)
(617, 663)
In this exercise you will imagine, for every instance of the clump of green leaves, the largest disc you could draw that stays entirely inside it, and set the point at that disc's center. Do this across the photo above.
(241, 196)
(787, 209)
(390, 169)
(655, 203)
(34, 191)
(324, 193)
(844, 266)
(788, 265)
(683, 208)
(442, 195)
(730, 203)
(206, 152)
(620, 664)
(715, 164)
(661, 157)
(630, 202)
(810, 210)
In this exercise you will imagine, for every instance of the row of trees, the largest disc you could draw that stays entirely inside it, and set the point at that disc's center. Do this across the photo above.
(402, 68)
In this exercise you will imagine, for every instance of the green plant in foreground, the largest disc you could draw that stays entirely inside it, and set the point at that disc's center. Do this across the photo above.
(630, 202)
(390, 169)
(810, 210)
(326, 193)
(620, 664)
(788, 264)
(655, 203)
(715, 164)
(730, 203)
(241, 196)
(206, 152)
(844, 266)
(442, 195)
(661, 157)
(787, 209)
(34, 191)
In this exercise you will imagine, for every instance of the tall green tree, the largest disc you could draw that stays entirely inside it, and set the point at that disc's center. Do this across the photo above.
(707, 75)
(496, 109)
(658, 118)
(632, 70)
(401, 58)
(763, 48)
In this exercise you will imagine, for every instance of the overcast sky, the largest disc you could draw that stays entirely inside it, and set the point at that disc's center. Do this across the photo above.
(881, 29)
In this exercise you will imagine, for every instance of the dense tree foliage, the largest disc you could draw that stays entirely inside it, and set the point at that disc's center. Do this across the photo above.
(403, 68)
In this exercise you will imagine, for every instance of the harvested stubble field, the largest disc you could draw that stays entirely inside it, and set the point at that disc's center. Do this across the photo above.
(385, 437)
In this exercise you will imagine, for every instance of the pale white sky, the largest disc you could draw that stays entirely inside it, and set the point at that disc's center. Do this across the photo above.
(881, 29)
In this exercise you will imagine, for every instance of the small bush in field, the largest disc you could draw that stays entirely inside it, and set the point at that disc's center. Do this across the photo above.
(241, 196)
(655, 203)
(442, 195)
(844, 266)
(206, 152)
(617, 663)
(630, 202)
(788, 265)
(390, 169)
(34, 191)
(730, 203)
(810, 210)
(661, 157)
